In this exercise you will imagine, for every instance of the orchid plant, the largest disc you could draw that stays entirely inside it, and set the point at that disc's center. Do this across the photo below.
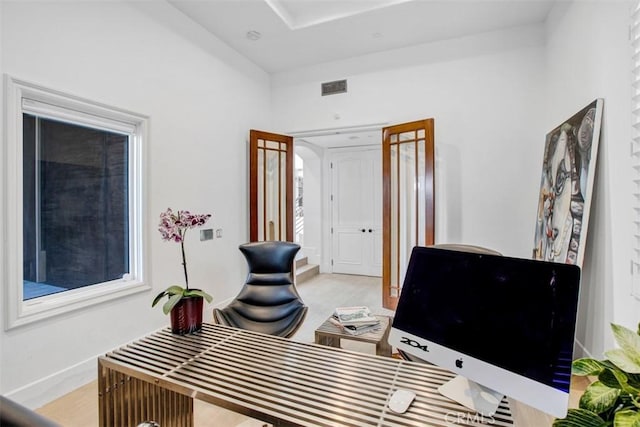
(173, 228)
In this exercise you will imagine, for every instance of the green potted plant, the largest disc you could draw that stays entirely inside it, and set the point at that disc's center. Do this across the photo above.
(183, 303)
(614, 398)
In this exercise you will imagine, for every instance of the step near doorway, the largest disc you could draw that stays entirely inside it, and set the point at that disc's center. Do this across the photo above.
(304, 270)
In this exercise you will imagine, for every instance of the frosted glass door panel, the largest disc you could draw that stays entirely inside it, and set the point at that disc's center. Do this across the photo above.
(271, 187)
(408, 206)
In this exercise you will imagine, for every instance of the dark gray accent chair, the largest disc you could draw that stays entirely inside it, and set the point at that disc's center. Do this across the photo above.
(269, 301)
(13, 414)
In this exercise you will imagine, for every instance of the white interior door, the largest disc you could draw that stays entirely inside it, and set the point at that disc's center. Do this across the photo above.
(356, 207)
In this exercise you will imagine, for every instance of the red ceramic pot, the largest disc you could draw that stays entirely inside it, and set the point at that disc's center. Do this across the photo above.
(186, 316)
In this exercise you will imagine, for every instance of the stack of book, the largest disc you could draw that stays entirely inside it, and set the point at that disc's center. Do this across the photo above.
(355, 320)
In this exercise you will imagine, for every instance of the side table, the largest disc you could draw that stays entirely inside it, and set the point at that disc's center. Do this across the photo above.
(330, 335)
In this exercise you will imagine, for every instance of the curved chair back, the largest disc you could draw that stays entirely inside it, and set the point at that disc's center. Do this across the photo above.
(268, 302)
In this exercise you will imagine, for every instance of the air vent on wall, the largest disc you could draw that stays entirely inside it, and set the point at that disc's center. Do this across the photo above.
(332, 88)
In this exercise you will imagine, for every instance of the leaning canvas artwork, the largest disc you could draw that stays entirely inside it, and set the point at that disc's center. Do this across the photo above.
(566, 187)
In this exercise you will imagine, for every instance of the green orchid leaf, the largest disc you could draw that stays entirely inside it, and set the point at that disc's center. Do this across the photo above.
(175, 289)
(627, 357)
(171, 290)
(598, 397)
(586, 366)
(200, 293)
(627, 418)
(580, 418)
(173, 300)
(158, 298)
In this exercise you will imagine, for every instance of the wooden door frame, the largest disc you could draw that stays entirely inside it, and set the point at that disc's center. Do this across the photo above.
(254, 136)
(389, 301)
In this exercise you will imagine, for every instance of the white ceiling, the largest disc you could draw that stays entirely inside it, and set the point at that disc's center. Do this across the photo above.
(343, 138)
(298, 33)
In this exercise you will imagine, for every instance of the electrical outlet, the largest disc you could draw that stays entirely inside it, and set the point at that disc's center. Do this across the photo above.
(219, 233)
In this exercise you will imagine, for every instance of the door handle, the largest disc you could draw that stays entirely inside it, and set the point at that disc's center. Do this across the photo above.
(370, 230)
(363, 230)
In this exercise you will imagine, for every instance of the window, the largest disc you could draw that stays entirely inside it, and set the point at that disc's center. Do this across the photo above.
(74, 202)
(635, 145)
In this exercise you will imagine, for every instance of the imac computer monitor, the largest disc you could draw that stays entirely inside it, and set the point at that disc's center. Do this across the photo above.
(505, 326)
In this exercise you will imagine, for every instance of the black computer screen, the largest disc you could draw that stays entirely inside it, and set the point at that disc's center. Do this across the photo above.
(517, 314)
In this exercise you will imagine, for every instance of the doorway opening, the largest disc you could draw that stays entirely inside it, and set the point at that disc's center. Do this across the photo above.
(316, 151)
(298, 201)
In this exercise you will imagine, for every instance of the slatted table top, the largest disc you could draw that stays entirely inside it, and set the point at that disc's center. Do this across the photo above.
(285, 382)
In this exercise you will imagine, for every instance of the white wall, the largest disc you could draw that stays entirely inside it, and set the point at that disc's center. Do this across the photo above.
(494, 97)
(486, 95)
(588, 57)
(202, 98)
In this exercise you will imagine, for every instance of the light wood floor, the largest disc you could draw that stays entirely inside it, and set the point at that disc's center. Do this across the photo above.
(322, 294)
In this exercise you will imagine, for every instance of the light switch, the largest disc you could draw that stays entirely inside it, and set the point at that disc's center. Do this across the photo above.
(206, 234)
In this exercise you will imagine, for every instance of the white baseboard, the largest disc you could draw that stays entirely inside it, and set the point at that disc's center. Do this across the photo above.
(580, 351)
(44, 390)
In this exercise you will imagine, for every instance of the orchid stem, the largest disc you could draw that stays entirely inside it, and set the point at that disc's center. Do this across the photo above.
(184, 263)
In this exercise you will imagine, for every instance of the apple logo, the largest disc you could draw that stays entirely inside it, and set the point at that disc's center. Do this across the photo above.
(459, 363)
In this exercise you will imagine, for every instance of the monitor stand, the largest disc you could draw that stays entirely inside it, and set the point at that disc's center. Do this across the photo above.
(481, 399)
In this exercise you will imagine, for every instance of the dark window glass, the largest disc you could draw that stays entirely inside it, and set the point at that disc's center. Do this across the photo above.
(75, 206)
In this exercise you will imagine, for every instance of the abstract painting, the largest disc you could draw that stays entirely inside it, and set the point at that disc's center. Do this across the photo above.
(566, 187)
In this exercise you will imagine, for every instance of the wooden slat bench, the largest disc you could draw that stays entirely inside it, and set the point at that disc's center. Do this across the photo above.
(277, 380)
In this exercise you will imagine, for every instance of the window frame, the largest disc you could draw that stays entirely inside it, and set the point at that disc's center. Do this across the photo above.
(24, 97)
(634, 154)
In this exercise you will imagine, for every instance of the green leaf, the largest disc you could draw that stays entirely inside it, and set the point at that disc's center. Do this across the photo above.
(627, 418)
(580, 418)
(586, 366)
(624, 360)
(199, 293)
(635, 401)
(616, 378)
(171, 290)
(634, 380)
(627, 357)
(158, 298)
(598, 397)
(175, 289)
(613, 377)
(173, 300)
